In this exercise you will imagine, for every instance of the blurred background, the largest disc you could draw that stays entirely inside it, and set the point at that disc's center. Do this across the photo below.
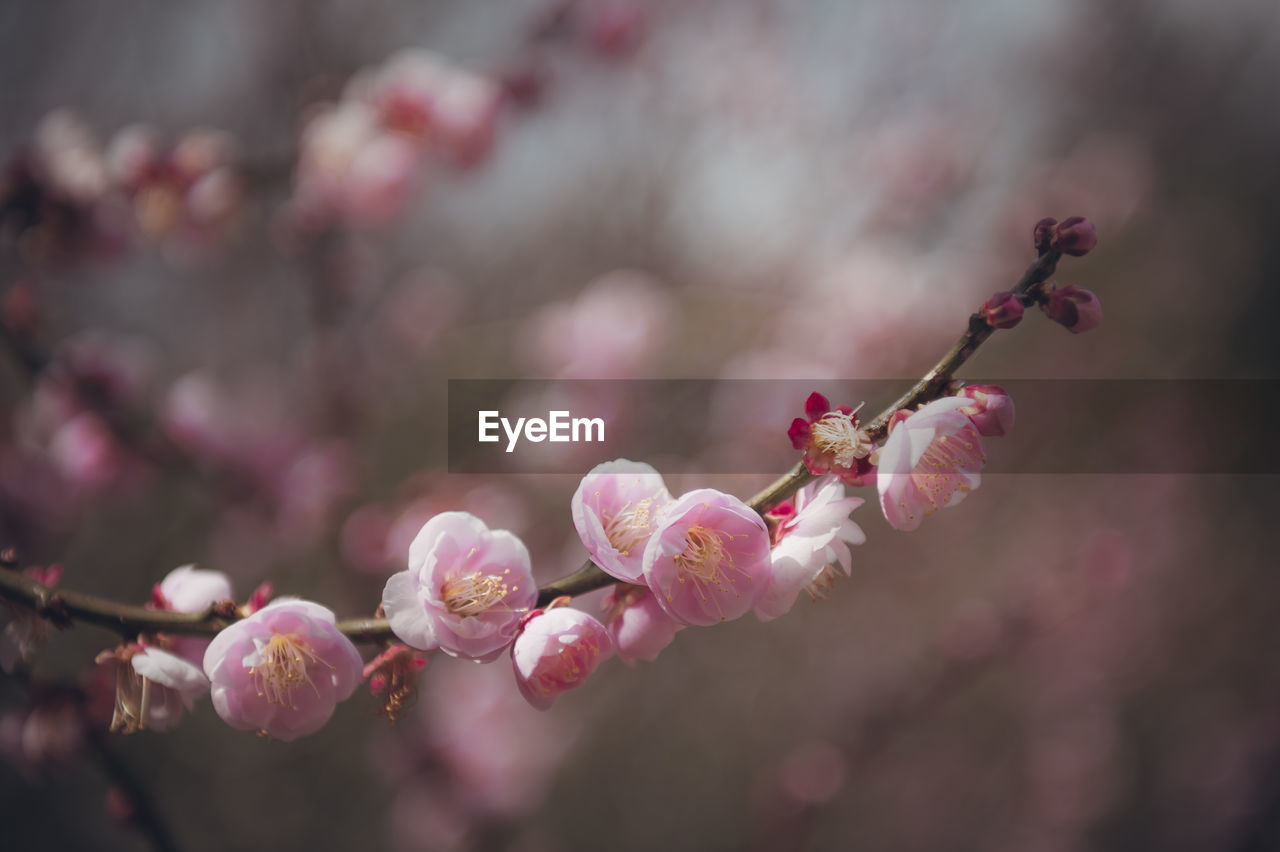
(237, 273)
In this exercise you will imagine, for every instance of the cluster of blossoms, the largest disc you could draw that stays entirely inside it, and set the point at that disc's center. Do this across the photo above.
(699, 559)
(695, 560)
(360, 157)
(68, 191)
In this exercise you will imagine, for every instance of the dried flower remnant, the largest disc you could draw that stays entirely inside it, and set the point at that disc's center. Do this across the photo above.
(153, 687)
(393, 679)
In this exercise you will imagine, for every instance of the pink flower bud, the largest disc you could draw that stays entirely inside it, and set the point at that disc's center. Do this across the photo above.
(1073, 307)
(1003, 310)
(153, 687)
(557, 651)
(393, 679)
(1075, 236)
(638, 626)
(991, 411)
(1042, 233)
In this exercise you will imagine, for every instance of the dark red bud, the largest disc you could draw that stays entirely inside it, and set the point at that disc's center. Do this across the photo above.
(1003, 310)
(1077, 309)
(1075, 236)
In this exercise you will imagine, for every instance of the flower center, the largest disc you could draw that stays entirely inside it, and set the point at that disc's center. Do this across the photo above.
(705, 559)
(474, 593)
(630, 528)
(837, 435)
(284, 668)
(939, 473)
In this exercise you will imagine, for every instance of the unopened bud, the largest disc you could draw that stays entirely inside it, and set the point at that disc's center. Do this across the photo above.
(1003, 310)
(992, 409)
(1073, 307)
(1075, 236)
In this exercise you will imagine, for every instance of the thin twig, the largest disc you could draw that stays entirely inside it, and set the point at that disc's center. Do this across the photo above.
(143, 814)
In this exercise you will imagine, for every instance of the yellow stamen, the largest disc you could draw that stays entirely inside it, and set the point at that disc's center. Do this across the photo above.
(630, 527)
(705, 561)
(837, 435)
(474, 593)
(286, 659)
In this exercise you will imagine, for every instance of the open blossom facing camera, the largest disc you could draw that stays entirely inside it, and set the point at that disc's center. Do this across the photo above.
(282, 670)
(708, 560)
(465, 590)
(615, 511)
(832, 441)
(811, 540)
(930, 460)
(556, 651)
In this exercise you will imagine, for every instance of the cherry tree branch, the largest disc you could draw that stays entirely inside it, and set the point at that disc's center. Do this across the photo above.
(933, 385)
(64, 607)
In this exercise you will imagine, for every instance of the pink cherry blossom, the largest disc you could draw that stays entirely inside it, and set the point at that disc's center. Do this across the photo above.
(809, 544)
(708, 560)
(930, 461)
(991, 409)
(465, 590)
(556, 651)
(615, 511)
(639, 627)
(282, 670)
